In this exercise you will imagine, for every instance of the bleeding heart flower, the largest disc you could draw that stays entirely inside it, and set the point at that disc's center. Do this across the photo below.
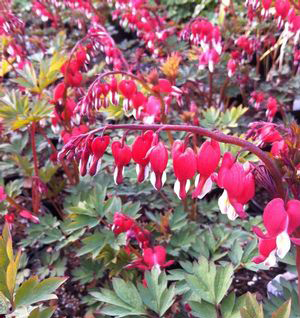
(140, 148)
(282, 8)
(156, 257)
(152, 258)
(208, 158)
(231, 67)
(122, 223)
(138, 101)
(141, 235)
(158, 160)
(238, 183)
(59, 91)
(271, 107)
(98, 147)
(85, 157)
(122, 156)
(163, 86)
(29, 216)
(152, 110)
(184, 163)
(280, 221)
(9, 218)
(127, 88)
(113, 91)
(279, 148)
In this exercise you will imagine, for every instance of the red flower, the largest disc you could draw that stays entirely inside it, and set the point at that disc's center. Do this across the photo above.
(280, 222)
(141, 235)
(152, 257)
(151, 110)
(266, 4)
(239, 187)
(282, 8)
(140, 148)
(208, 158)
(127, 88)
(231, 67)
(98, 147)
(158, 160)
(184, 163)
(85, 157)
(271, 107)
(122, 156)
(269, 134)
(9, 218)
(138, 101)
(2, 194)
(29, 216)
(163, 86)
(156, 257)
(122, 223)
(114, 90)
(80, 56)
(59, 91)
(279, 148)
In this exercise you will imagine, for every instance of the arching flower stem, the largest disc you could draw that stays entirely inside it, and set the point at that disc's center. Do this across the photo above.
(216, 135)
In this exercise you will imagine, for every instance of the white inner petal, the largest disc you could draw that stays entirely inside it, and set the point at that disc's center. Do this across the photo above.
(163, 178)
(146, 173)
(177, 188)
(225, 206)
(222, 202)
(98, 165)
(206, 188)
(197, 180)
(153, 179)
(187, 185)
(89, 163)
(137, 169)
(115, 175)
(283, 244)
(271, 260)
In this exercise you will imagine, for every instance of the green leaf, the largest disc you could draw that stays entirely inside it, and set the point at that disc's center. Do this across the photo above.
(203, 309)
(31, 292)
(128, 293)
(230, 306)
(42, 313)
(115, 305)
(283, 311)
(236, 253)
(23, 296)
(223, 281)
(11, 274)
(252, 308)
(157, 295)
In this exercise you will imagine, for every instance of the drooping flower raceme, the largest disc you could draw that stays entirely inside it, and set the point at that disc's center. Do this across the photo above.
(280, 221)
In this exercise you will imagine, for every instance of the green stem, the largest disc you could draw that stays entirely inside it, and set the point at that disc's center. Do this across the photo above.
(35, 192)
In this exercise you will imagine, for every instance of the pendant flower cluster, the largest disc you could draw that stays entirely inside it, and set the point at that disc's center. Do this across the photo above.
(151, 157)
(133, 98)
